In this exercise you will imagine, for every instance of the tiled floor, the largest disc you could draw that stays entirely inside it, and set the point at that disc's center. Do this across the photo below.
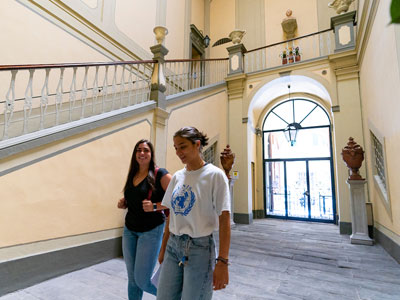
(271, 259)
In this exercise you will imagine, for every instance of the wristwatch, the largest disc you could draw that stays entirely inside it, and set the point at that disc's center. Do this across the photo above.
(154, 206)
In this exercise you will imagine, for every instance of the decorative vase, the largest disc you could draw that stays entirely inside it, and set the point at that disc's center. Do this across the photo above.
(291, 59)
(297, 57)
(353, 156)
(160, 32)
(284, 61)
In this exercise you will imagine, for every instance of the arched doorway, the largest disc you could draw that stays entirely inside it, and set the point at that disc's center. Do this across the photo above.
(298, 165)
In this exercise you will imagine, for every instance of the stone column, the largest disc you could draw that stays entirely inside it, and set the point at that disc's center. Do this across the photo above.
(353, 155)
(158, 82)
(237, 130)
(158, 87)
(343, 27)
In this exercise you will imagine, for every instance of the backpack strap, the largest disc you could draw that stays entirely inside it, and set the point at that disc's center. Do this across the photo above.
(151, 190)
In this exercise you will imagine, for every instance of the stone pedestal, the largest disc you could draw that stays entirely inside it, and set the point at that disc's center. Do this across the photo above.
(343, 26)
(158, 82)
(236, 59)
(359, 222)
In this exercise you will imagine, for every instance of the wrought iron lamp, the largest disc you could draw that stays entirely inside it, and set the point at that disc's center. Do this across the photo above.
(291, 130)
(206, 41)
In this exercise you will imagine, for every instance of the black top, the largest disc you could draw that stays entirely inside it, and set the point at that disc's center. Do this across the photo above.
(137, 219)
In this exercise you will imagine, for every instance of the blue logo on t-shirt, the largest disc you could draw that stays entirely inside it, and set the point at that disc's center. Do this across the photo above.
(183, 200)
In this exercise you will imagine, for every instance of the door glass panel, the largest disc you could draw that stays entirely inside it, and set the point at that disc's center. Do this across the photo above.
(297, 189)
(275, 188)
(310, 143)
(320, 189)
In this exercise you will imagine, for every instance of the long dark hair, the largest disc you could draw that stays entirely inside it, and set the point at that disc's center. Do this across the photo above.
(193, 135)
(134, 167)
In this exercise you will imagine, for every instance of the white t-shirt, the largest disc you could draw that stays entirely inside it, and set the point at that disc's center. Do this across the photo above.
(196, 199)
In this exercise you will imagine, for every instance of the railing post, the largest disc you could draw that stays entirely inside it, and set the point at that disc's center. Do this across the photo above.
(158, 83)
(236, 59)
(343, 27)
(158, 87)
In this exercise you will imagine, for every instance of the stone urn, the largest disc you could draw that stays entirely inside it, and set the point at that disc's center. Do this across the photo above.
(353, 156)
(160, 32)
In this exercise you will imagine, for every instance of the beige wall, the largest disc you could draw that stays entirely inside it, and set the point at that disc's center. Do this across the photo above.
(71, 193)
(28, 38)
(305, 13)
(380, 92)
(137, 19)
(209, 115)
(198, 14)
(176, 29)
(222, 22)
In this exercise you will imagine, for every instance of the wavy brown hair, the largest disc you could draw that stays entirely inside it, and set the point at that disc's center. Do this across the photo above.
(134, 167)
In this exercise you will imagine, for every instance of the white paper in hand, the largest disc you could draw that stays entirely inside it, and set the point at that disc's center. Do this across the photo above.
(156, 276)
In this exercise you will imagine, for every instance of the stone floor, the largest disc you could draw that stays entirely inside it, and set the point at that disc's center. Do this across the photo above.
(271, 259)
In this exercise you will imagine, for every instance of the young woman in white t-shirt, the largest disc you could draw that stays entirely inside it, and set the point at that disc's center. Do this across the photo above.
(199, 202)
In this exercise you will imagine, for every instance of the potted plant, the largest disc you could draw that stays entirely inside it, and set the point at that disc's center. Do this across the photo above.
(284, 57)
(291, 57)
(297, 55)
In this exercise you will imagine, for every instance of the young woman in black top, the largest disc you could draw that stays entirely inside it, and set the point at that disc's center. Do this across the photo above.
(144, 222)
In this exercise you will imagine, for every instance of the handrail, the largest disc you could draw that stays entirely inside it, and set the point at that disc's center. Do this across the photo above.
(94, 64)
(72, 65)
(193, 60)
(287, 41)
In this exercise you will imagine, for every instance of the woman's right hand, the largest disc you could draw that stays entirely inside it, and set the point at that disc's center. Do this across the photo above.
(122, 203)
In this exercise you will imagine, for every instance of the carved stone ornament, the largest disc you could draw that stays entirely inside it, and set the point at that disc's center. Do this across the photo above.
(289, 24)
(341, 6)
(237, 35)
(353, 156)
(160, 32)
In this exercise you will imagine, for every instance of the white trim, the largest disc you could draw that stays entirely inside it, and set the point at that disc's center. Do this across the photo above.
(40, 247)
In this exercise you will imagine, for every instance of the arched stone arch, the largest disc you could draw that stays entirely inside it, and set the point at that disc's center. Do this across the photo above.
(265, 95)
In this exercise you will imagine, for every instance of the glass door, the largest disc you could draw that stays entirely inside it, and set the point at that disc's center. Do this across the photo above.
(320, 189)
(297, 189)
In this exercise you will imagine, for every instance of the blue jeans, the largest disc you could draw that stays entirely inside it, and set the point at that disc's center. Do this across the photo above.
(192, 280)
(140, 251)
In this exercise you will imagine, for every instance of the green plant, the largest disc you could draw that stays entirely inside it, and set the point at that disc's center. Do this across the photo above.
(395, 11)
(283, 54)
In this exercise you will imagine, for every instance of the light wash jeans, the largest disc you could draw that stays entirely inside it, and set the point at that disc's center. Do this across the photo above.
(192, 280)
(140, 251)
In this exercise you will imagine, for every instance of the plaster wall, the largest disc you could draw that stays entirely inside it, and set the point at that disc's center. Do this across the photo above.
(222, 22)
(137, 19)
(175, 39)
(380, 91)
(28, 38)
(305, 13)
(347, 123)
(198, 15)
(72, 188)
(208, 114)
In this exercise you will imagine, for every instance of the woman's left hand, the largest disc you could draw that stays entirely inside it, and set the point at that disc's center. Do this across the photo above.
(147, 205)
(220, 276)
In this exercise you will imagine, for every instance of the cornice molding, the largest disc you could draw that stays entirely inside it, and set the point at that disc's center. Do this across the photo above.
(236, 85)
